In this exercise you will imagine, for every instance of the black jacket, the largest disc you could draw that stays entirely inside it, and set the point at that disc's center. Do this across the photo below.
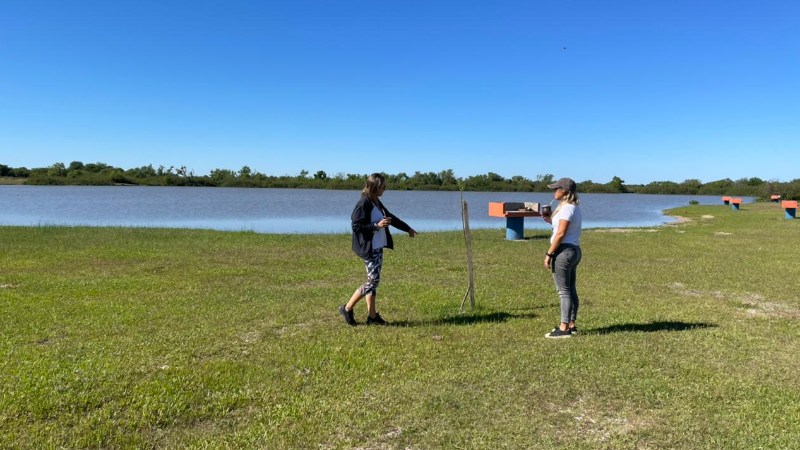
(364, 228)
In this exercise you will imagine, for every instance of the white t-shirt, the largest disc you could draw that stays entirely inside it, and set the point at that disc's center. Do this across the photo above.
(572, 214)
(379, 238)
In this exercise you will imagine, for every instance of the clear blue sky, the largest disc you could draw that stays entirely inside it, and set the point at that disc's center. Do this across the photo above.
(645, 89)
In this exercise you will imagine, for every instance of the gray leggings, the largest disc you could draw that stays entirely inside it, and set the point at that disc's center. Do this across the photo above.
(565, 267)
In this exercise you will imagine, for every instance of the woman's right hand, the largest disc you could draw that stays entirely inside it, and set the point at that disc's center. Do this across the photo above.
(385, 222)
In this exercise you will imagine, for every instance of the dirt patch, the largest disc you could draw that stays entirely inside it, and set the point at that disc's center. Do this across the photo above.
(598, 426)
(203, 428)
(707, 216)
(7, 286)
(394, 433)
(681, 289)
(297, 328)
(722, 233)
(754, 305)
(251, 337)
(678, 220)
(626, 230)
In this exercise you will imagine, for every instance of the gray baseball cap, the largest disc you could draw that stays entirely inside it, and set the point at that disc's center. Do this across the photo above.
(564, 183)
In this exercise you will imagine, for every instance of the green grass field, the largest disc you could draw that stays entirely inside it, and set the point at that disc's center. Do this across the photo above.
(152, 338)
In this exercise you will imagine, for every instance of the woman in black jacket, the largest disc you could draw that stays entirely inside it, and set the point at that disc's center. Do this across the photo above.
(370, 223)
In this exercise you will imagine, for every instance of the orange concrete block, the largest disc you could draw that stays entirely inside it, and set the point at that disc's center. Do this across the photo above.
(775, 197)
(789, 204)
(496, 209)
(726, 199)
(736, 200)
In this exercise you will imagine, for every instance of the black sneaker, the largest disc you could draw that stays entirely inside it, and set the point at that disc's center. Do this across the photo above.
(377, 320)
(557, 333)
(573, 330)
(348, 316)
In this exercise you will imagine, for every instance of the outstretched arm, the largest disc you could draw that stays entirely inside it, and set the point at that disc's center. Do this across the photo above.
(399, 224)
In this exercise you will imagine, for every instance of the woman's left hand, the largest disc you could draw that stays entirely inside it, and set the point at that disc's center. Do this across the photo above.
(412, 233)
(547, 261)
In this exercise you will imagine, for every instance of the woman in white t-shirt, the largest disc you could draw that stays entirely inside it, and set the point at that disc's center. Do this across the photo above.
(564, 254)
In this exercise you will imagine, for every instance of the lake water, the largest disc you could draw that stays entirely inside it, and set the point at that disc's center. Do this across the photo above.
(301, 210)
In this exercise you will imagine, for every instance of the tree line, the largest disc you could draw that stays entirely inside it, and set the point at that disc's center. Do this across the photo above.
(99, 174)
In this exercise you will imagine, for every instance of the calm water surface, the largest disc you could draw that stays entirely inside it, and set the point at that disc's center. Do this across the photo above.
(301, 210)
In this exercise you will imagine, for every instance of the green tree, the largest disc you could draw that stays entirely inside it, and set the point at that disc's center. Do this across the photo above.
(22, 172)
(219, 175)
(690, 187)
(542, 181)
(95, 167)
(494, 178)
(75, 165)
(57, 170)
(617, 185)
(448, 178)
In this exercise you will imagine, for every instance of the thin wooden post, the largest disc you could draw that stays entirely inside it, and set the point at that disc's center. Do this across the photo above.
(468, 241)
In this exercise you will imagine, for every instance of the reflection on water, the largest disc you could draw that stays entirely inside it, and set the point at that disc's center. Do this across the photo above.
(300, 210)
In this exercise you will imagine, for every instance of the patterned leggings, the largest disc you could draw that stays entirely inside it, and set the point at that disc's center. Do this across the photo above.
(373, 264)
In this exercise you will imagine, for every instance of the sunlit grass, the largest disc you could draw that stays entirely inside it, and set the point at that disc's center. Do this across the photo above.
(151, 338)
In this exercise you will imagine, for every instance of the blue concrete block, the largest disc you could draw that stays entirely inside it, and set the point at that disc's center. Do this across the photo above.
(735, 206)
(790, 213)
(515, 228)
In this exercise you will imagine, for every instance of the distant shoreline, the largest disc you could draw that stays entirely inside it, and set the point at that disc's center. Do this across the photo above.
(100, 174)
(13, 182)
(8, 181)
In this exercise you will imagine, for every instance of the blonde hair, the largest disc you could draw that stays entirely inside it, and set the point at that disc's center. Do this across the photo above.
(374, 182)
(569, 197)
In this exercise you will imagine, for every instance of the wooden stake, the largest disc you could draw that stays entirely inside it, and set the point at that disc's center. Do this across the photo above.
(468, 241)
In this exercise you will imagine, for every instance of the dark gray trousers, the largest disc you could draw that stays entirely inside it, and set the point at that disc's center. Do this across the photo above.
(565, 267)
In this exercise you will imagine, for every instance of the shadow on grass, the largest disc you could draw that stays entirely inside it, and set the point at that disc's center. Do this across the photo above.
(650, 327)
(464, 319)
(533, 238)
(528, 308)
(537, 238)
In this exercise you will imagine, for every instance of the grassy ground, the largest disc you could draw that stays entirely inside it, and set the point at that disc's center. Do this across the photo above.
(151, 338)
(10, 180)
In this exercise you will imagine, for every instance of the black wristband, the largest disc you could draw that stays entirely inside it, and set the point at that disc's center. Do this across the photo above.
(550, 254)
